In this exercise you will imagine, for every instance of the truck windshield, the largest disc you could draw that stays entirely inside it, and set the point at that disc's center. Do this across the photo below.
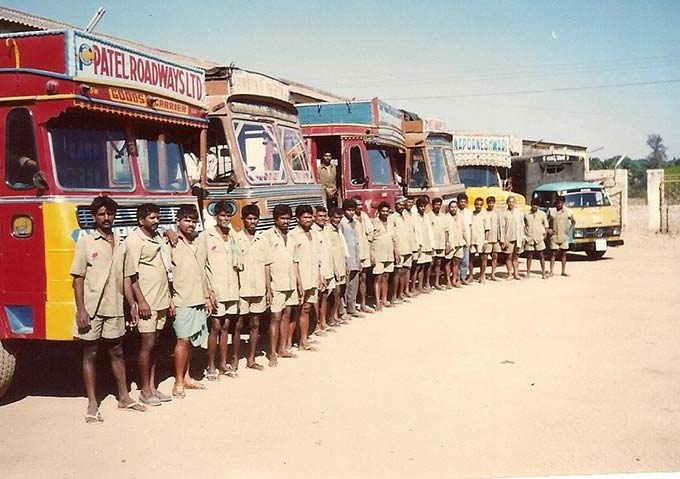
(440, 175)
(586, 199)
(478, 176)
(454, 178)
(296, 154)
(381, 171)
(91, 158)
(259, 152)
(160, 162)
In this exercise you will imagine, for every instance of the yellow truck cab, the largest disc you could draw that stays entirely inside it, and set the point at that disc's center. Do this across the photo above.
(479, 159)
(598, 225)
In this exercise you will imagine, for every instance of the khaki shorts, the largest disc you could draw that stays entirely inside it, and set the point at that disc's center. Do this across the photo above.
(310, 296)
(101, 327)
(282, 299)
(438, 253)
(512, 247)
(404, 261)
(534, 246)
(226, 308)
(424, 257)
(330, 284)
(252, 305)
(155, 323)
(366, 263)
(479, 249)
(554, 245)
(340, 281)
(494, 248)
(383, 267)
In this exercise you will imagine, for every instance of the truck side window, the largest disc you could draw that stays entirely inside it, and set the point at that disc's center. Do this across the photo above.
(418, 169)
(356, 166)
(220, 165)
(21, 153)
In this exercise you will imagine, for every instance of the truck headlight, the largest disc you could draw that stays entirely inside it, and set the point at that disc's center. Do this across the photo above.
(616, 231)
(578, 233)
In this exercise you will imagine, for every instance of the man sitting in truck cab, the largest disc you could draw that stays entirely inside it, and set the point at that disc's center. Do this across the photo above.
(328, 177)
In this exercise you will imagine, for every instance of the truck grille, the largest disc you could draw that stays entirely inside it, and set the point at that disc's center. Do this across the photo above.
(126, 216)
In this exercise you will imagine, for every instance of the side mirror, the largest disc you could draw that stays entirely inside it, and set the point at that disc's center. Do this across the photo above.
(40, 181)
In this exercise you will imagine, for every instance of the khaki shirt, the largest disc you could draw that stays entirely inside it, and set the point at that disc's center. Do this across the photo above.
(335, 242)
(423, 231)
(143, 258)
(513, 226)
(560, 223)
(217, 258)
(535, 225)
(382, 247)
(402, 236)
(410, 223)
(466, 215)
(456, 229)
(325, 254)
(306, 256)
(190, 285)
(365, 235)
(255, 256)
(282, 266)
(328, 177)
(102, 268)
(480, 226)
(438, 229)
(494, 226)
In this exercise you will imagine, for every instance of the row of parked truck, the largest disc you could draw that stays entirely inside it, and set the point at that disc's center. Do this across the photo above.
(85, 115)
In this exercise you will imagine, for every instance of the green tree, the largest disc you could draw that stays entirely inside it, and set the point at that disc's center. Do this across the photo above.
(657, 158)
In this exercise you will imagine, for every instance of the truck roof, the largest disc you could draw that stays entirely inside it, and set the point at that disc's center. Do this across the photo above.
(567, 185)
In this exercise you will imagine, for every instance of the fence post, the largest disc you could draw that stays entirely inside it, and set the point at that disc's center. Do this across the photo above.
(654, 180)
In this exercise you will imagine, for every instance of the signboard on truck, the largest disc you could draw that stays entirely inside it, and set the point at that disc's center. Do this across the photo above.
(481, 150)
(99, 61)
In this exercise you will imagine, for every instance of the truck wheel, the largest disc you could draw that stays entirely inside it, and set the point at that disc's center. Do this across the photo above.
(8, 362)
(593, 255)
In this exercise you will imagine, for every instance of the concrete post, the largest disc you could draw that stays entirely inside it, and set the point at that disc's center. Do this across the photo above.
(654, 179)
(622, 179)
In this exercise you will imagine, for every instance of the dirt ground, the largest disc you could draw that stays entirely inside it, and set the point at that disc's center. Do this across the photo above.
(564, 376)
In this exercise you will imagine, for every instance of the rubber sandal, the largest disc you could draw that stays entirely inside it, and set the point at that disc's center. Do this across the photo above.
(211, 376)
(179, 394)
(195, 385)
(257, 367)
(162, 397)
(94, 419)
(230, 372)
(152, 401)
(133, 406)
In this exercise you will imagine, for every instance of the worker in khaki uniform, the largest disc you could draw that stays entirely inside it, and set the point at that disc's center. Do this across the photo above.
(409, 219)
(438, 218)
(319, 228)
(455, 241)
(383, 254)
(308, 274)
(217, 251)
(535, 229)
(283, 284)
(479, 238)
(513, 236)
(148, 271)
(495, 234)
(561, 222)
(336, 244)
(424, 237)
(254, 284)
(365, 225)
(403, 260)
(328, 178)
(192, 301)
(97, 271)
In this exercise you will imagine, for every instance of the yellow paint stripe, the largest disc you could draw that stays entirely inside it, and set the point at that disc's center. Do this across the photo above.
(37, 98)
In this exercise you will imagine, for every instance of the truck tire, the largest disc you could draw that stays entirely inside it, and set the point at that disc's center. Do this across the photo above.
(594, 255)
(8, 363)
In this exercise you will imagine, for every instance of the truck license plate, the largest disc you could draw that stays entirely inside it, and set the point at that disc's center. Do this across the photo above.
(601, 245)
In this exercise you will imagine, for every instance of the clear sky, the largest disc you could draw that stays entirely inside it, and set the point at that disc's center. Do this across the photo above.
(482, 66)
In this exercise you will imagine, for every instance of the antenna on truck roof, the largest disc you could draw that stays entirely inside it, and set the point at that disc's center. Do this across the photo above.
(95, 20)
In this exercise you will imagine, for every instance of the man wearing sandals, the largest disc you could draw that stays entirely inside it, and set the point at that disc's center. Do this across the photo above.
(561, 222)
(217, 251)
(513, 237)
(495, 237)
(192, 300)
(382, 254)
(97, 272)
(455, 240)
(307, 272)
(335, 243)
(148, 272)
(403, 259)
(255, 283)
(438, 225)
(319, 228)
(283, 284)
